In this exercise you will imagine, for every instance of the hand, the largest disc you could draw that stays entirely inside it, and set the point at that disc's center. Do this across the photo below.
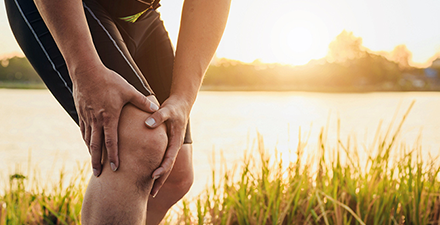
(99, 96)
(175, 113)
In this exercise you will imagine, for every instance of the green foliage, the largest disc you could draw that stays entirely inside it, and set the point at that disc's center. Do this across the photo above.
(348, 66)
(28, 201)
(368, 72)
(18, 69)
(390, 186)
(335, 185)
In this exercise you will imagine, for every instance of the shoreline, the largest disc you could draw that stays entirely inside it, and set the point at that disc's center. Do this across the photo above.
(40, 86)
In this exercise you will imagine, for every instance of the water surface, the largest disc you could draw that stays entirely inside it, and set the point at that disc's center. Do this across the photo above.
(32, 123)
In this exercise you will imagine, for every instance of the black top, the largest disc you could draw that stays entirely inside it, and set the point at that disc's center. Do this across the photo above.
(122, 8)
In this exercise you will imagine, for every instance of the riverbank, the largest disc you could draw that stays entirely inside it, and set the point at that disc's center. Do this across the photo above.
(392, 184)
(268, 88)
(22, 85)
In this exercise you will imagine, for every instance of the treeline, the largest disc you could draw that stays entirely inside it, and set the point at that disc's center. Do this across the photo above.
(348, 67)
(18, 69)
(367, 71)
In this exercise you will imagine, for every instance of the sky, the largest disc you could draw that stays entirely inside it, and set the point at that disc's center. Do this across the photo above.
(296, 31)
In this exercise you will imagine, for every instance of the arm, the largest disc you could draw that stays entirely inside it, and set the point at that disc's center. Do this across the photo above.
(98, 107)
(201, 28)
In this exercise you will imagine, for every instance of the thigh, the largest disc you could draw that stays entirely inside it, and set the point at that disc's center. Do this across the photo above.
(41, 50)
(151, 48)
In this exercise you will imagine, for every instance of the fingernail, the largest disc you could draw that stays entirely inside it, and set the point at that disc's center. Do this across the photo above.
(95, 172)
(156, 177)
(113, 166)
(154, 195)
(150, 121)
(154, 107)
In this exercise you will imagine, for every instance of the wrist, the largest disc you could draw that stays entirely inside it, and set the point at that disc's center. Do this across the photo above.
(185, 103)
(87, 69)
(185, 87)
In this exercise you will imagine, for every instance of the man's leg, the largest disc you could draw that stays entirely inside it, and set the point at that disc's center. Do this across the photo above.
(175, 187)
(121, 197)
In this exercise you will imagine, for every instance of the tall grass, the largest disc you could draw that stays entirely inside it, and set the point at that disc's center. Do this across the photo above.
(392, 184)
(27, 200)
(386, 182)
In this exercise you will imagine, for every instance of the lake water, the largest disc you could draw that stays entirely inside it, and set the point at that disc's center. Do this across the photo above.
(33, 126)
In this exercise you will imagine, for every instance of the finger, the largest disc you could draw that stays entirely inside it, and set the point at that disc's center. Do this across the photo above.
(161, 174)
(157, 118)
(167, 162)
(82, 128)
(158, 183)
(95, 149)
(87, 136)
(142, 102)
(111, 140)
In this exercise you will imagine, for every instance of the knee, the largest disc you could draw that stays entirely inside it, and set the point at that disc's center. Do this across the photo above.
(173, 191)
(141, 149)
(183, 184)
(182, 177)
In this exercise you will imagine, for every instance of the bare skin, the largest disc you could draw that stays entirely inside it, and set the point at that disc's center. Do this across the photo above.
(175, 187)
(142, 150)
(104, 118)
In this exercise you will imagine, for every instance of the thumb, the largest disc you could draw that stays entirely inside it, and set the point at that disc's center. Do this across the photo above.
(157, 118)
(143, 103)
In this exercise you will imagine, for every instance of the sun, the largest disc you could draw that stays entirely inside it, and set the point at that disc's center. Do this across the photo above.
(298, 38)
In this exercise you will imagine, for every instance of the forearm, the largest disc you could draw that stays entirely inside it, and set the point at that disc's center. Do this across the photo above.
(202, 26)
(67, 24)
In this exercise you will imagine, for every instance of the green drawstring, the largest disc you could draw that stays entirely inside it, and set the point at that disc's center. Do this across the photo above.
(134, 17)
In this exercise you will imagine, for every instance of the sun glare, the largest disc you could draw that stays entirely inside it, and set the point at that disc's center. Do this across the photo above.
(298, 38)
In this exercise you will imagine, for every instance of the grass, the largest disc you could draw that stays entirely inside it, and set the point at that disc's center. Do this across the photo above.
(29, 201)
(391, 185)
(22, 85)
(388, 182)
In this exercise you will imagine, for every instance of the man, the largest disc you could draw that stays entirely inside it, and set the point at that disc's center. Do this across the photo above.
(110, 64)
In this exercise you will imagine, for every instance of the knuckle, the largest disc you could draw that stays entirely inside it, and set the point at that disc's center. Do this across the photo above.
(159, 115)
(107, 118)
(173, 111)
(87, 139)
(94, 119)
(110, 143)
(95, 147)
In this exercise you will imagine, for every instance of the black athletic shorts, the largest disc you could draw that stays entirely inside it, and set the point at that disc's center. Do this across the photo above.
(141, 52)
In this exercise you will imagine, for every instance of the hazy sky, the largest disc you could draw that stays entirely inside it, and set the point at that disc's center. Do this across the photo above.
(294, 32)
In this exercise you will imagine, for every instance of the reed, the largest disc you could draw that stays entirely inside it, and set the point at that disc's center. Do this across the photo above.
(392, 184)
(385, 182)
(26, 200)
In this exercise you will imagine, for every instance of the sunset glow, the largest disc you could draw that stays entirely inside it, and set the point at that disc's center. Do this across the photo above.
(296, 38)
(294, 32)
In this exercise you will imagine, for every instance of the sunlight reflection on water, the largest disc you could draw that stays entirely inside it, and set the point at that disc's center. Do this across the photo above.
(220, 121)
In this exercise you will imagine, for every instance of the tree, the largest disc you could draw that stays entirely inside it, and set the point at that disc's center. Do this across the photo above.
(345, 47)
(402, 56)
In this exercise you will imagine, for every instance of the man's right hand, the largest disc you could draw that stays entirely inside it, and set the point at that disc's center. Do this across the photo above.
(99, 94)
